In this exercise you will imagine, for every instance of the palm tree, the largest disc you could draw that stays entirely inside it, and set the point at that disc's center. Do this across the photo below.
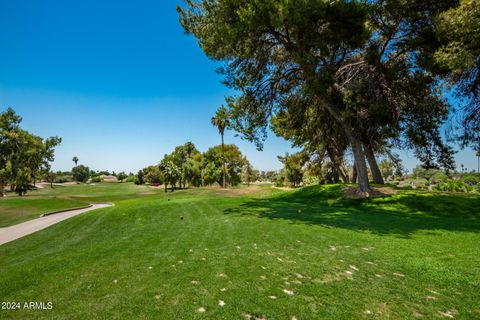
(220, 120)
(75, 159)
(478, 160)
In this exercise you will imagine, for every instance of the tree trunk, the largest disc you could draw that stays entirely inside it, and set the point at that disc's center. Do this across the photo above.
(166, 186)
(355, 144)
(372, 163)
(224, 165)
(362, 172)
(337, 164)
(344, 174)
(354, 173)
(2, 190)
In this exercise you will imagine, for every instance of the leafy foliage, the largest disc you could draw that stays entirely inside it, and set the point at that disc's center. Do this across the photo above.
(213, 161)
(81, 173)
(293, 167)
(454, 186)
(23, 156)
(459, 33)
(307, 64)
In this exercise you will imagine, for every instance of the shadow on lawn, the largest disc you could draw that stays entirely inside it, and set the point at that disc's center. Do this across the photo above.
(401, 214)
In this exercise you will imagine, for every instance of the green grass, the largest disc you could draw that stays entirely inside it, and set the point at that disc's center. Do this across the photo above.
(412, 254)
(15, 209)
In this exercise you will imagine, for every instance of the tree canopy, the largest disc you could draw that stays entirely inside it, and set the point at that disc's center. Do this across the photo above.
(23, 156)
(458, 30)
(351, 63)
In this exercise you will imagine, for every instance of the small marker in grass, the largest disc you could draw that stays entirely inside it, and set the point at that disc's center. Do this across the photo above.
(181, 217)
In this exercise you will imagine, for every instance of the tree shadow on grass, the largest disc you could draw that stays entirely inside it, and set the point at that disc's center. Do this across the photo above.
(401, 214)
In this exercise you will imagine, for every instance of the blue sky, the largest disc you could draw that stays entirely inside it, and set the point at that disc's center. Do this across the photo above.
(118, 81)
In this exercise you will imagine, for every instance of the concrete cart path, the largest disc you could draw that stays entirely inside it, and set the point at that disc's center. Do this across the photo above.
(14, 232)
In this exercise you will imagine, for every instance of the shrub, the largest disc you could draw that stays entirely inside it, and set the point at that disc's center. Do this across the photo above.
(130, 179)
(454, 186)
(153, 175)
(279, 179)
(139, 178)
(63, 179)
(81, 173)
(121, 176)
(471, 178)
(96, 179)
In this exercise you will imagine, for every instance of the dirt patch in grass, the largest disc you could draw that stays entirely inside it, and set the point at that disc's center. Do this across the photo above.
(236, 191)
(375, 192)
(284, 188)
(72, 183)
(146, 193)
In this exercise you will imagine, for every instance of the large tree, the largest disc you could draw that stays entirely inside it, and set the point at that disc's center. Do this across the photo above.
(22, 155)
(170, 170)
(81, 173)
(181, 155)
(275, 49)
(271, 52)
(220, 159)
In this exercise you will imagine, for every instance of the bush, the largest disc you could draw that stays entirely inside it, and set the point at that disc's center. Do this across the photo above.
(139, 178)
(96, 179)
(471, 178)
(122, 176)
(454, 186)
(63, 179)
(153, 175)
(130, 179)
(279, 179)
(81, 173)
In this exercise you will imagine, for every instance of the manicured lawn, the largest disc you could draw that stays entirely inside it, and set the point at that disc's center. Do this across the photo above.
(406, 256)
(17, 210)
(14, 209)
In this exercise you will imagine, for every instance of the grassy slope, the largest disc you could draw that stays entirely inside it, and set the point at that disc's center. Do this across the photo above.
(254, 246)
(14, 209)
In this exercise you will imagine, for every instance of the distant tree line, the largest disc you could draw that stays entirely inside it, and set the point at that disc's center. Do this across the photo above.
(186, 166)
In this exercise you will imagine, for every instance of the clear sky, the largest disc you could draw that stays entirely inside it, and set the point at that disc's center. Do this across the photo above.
(118, 81)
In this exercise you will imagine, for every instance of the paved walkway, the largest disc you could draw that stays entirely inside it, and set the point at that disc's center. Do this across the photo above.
(22, 229)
